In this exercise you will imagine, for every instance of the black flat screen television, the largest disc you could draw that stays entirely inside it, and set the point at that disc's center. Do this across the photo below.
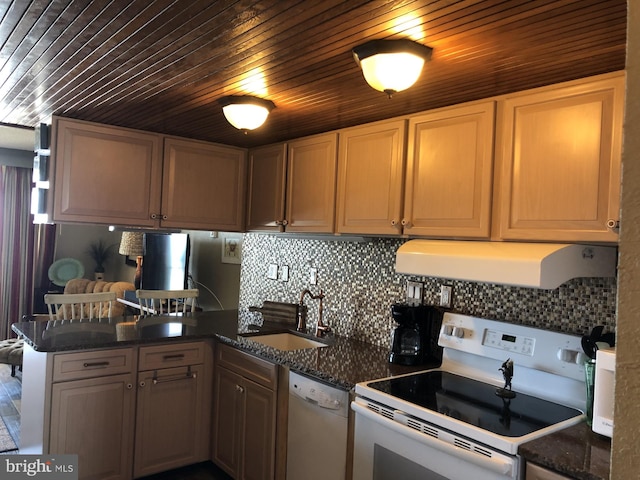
(165, 263)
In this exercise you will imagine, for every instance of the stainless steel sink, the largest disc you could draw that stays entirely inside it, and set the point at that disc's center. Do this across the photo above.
(286, 341)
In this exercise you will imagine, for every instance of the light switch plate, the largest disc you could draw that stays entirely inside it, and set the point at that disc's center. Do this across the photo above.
(414, 293)
(272, 271)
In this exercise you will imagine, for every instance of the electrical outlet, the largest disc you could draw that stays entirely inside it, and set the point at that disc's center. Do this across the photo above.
(284, 273)
(313, 276)
(272, 271)
(414, 293)
(446, 292)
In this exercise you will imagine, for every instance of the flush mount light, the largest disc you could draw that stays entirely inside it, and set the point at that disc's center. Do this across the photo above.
(246, 112)
(391, 66)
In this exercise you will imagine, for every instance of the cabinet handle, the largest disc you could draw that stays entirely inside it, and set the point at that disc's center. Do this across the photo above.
(285, 222)
(174, 378)
(394, 222)
(153, 216)
(164, 217)
(239, 389)
(95, 364)
(279, 222)
(129, 386)
(406, 223)
(142, 384)
(613, 224)
(177, 356)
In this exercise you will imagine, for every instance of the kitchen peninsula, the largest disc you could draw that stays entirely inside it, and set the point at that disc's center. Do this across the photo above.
(83, 377)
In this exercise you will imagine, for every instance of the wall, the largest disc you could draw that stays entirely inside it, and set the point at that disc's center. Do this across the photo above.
(360, 284)
(625, 455)
(209, 274)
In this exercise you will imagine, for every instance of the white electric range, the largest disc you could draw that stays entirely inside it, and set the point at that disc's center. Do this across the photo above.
(456, 422)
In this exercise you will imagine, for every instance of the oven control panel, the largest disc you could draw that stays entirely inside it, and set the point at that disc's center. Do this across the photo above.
(533, 348)
(509, 342)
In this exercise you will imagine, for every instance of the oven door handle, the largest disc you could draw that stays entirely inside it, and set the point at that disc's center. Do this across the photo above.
(503, 466)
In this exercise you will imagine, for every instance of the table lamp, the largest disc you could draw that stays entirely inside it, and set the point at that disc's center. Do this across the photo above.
(132, 244)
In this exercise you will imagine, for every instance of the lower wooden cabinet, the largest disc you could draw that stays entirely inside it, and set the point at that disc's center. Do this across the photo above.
(127, 412)
(171, 415)
(93, 418)
(245, 405)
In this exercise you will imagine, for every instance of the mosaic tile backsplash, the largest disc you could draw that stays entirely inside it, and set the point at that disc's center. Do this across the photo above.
(360, 284)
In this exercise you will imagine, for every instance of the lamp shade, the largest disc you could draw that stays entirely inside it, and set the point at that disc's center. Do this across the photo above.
(391, 66)
(246, 112)
(132, 244)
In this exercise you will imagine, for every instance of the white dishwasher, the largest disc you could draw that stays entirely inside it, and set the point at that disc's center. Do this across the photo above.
(317, 431)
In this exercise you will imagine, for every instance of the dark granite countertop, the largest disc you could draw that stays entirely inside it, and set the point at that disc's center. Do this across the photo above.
(576, 452)
(343, 363)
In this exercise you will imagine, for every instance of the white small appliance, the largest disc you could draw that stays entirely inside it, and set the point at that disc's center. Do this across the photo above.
(603, 392)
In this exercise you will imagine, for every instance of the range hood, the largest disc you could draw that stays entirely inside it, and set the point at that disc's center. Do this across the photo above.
(533, 265)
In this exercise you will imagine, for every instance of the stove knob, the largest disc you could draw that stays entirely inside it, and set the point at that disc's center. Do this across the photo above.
(448, 330)
(458, 332)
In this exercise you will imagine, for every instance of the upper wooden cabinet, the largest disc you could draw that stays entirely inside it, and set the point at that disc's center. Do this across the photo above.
(203, 186)
(267, 180)
(106, 174)
(113, 175)
(371, 178)
(292, 186)
(446, 188)
(311, 184)
(559, 154)
(449, 172)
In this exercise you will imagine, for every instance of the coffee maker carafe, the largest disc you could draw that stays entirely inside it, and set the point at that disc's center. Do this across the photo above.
(414, 341)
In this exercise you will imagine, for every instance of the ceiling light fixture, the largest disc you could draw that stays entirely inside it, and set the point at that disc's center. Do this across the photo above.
(246, 112)
(391, 66)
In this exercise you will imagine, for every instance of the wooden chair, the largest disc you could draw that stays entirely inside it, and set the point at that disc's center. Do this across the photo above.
(163, 302)
(79, 306)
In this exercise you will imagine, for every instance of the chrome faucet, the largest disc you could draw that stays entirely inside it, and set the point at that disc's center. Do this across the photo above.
(321, 328)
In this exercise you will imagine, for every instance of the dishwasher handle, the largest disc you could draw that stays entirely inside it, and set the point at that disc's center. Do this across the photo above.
(318, 398)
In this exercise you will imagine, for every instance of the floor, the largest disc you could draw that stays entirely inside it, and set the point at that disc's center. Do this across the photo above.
(10, 396)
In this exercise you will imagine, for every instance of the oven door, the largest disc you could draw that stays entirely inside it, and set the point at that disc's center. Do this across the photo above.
(386, 448)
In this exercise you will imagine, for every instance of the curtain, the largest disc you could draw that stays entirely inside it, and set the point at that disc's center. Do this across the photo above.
(16, 245)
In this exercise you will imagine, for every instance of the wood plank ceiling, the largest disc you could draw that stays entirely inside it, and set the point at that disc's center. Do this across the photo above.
(162, 65)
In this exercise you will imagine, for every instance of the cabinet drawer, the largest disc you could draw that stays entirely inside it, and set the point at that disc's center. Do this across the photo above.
(253, 368)
(165, 356)
(74, 366)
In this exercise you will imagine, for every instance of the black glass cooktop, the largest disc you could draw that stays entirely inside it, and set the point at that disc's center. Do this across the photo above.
(476, 402)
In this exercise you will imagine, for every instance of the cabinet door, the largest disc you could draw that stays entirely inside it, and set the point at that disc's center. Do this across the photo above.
(227, 420)
(244, 427)
(171, 421)
(258, 451)
(449, 172)
(203, 186)
(311, 184)
(560, 153)
(103, 439)
(370, 179)
(267, 177)
(105, 174)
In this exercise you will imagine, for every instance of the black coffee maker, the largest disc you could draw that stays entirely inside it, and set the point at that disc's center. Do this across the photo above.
(415, 340)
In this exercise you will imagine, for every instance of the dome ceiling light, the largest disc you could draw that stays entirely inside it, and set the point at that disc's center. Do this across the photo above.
(391, 66)
(246, 112)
